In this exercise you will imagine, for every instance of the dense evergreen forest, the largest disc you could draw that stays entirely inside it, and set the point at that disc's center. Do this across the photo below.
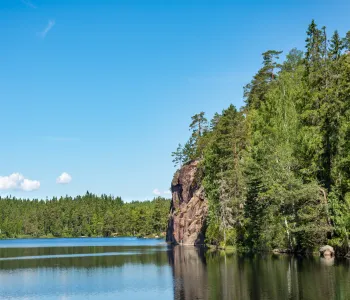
(276, 172)
(88, 215)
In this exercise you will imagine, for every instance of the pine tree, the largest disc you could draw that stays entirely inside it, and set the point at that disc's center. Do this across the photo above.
(198, 125)
(336, 46)
(314, 44)
(256, 90)
(346, 42)
(179, 156)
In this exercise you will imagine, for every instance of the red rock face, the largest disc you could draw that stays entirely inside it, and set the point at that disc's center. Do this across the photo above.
(188, 208)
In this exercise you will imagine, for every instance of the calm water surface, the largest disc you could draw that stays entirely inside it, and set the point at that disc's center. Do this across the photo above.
(130, 268)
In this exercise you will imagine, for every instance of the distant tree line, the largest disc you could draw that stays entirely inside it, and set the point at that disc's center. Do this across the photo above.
(277, 172)
(87, 215)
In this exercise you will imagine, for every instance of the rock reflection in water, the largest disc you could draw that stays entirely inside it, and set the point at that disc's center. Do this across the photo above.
(189, 273)
(218, 275)
(159, 272)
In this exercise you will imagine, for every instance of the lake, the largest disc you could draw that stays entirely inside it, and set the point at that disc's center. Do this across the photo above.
(131, 268)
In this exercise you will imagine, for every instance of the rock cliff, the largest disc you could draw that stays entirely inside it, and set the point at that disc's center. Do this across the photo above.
(188, 208)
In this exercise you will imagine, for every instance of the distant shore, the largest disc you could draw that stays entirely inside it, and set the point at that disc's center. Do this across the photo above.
(151, 236)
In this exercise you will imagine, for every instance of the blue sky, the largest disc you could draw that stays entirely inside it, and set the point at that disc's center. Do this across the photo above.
(104, 90)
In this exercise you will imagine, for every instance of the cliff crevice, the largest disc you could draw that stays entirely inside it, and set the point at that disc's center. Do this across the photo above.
(189, 207)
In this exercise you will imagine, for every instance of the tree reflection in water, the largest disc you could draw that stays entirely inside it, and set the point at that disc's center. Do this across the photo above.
(199, 274)
(179, 273)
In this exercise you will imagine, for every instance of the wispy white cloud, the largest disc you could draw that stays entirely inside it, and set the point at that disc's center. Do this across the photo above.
(48, 27)
(156, 192)
(16, 181)
(64, 178)
(29, 3)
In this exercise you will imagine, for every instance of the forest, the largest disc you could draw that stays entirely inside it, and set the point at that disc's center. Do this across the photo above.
(276, 171)
(88, 215)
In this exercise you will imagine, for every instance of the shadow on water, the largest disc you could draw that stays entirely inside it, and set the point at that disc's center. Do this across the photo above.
(218, 275)
(81, 257)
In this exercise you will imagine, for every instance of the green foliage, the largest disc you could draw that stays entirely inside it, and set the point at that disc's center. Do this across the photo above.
(255, 91)
(293, 60)
(277, 173)
(195, 145)
(336, 46)
(88, 215)
(179, 156)
(213, 233)
(223, 180)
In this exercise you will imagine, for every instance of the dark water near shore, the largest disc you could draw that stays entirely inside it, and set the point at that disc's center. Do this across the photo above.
(130, 268)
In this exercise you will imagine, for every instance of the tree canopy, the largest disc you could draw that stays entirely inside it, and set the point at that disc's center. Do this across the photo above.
(87, 215)
(276, 172)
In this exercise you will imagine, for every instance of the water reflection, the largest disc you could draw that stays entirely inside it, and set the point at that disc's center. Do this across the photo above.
(218, 275)
(81, 257)
(131, 273)
(189, 273)
(178, 273)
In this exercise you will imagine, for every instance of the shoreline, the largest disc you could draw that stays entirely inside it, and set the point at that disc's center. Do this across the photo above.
(78, 237)
(232, 249)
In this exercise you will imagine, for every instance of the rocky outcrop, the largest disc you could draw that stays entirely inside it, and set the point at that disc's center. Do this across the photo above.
(188, 207)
